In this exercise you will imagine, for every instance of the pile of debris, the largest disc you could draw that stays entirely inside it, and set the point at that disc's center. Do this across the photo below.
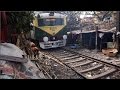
(19, 68)
(57, 70)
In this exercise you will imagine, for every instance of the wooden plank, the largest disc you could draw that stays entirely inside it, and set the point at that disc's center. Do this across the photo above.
(90, 69)
(69, 55)
(64, 55)
(102, 74)
(77, 60)
(71, 58)
(81, 64)
(61, 54)
(12, 58)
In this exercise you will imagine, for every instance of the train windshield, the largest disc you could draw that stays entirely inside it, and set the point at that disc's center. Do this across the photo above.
(50, 21)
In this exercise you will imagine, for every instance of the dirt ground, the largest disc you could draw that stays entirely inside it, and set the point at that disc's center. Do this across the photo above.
(58, 71)
(98, 55)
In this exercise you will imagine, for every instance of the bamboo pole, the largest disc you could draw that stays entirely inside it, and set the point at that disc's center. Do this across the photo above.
(96, 37)
(118, 30)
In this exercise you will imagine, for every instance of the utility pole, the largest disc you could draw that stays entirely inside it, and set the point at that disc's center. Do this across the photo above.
(0, 27)
(118, 30)
(96, 37)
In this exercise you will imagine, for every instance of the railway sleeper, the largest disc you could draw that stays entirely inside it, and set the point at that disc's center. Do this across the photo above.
(69, 55)
(78, 63)
(81, 64)
(71, 58)
(62, 54)
(60, 51)
(90, 69)
(65, 52)
(103, 74)
(77, 60)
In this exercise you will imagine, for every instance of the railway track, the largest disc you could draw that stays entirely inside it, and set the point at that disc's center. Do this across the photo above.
(85, 66)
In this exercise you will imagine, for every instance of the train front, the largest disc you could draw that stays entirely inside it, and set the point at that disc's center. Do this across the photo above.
(50, 30)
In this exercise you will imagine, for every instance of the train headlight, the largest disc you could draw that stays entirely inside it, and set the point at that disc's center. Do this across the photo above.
(64, 36)
(45, 39)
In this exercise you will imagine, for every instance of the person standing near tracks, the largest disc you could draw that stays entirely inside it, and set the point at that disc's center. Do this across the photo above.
(74, 38)
(35, 50)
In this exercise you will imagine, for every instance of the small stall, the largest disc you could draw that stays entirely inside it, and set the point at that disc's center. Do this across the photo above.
(88, 38)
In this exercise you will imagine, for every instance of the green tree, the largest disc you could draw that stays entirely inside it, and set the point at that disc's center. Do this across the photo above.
(20, 21)
(101, 15)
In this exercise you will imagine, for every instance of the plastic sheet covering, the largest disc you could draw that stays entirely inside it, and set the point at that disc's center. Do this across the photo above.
(10, 49)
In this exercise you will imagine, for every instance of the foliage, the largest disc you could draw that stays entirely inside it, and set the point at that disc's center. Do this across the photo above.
(20, 21)
(74, 20)
(101, 15)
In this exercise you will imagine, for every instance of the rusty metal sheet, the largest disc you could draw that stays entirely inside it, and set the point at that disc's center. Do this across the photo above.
(12, 58)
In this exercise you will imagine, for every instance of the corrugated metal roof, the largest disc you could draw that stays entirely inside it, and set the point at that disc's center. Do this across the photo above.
(101, 30)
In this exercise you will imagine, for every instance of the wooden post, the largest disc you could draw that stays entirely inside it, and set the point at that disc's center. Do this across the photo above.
(81, 42)
(18, 41)
(90, 41)
(101, 37)
(96, 40)
(118, 29)
(101, 44)
(0, 28)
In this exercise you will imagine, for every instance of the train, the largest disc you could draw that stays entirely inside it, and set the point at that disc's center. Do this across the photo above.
(49, 30)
